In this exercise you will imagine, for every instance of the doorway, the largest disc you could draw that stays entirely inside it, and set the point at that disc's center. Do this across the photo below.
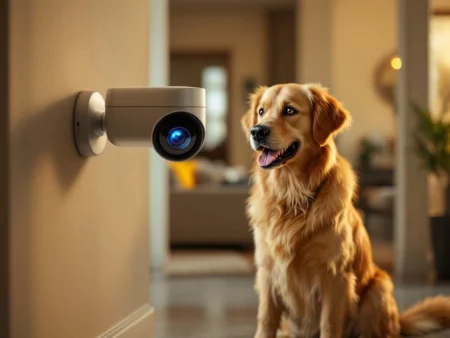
(209, 70)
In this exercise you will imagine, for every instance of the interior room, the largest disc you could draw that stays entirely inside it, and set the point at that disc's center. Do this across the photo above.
(231, 48)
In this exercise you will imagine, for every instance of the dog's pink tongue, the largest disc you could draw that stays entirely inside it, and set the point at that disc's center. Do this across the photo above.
(267, 157)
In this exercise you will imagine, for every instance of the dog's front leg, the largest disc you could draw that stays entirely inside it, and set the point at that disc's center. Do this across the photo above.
(269, 311)
(336, 297)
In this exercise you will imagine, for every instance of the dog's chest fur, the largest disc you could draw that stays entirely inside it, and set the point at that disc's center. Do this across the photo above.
(293, 281)
(296, 257)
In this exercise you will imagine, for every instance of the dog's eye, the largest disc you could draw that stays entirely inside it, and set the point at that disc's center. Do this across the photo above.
(261, 111)
(289, 111)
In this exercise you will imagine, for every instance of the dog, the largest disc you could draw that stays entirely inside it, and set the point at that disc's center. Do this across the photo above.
(315, 273)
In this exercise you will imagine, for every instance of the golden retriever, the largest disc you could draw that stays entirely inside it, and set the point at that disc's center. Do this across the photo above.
(315, 273)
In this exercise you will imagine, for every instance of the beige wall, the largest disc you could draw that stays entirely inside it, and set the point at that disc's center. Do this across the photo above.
(440, 5)
(242, 31)
(78, 227)
(314, 26)
(363, 33)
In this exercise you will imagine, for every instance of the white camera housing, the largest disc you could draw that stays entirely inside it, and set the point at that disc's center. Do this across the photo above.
(171, 119)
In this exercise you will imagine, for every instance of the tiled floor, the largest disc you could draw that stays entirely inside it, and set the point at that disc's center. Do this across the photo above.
(225, 307)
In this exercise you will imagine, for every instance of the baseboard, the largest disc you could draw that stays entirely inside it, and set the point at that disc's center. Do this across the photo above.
(138, 324)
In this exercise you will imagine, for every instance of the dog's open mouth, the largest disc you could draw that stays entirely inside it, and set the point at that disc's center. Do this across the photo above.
(273, 158)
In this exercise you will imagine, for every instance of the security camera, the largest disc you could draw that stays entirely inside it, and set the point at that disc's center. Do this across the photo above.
(171, 119)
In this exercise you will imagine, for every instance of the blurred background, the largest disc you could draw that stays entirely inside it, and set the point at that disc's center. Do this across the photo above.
(376, 57)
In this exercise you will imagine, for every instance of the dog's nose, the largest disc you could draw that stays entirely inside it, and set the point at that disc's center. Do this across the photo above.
(260, 132)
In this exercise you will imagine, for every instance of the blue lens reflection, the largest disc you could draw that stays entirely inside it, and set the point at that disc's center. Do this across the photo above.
(178, 138)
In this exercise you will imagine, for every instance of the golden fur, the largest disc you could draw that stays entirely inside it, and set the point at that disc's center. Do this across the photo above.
(315, 271)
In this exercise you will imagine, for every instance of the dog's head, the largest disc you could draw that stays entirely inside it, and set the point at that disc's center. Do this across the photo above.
(285, 120)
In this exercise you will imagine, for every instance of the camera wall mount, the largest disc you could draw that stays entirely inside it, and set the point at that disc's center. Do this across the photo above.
(88, 124)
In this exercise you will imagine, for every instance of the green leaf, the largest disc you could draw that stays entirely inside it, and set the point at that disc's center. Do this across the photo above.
(432, 140)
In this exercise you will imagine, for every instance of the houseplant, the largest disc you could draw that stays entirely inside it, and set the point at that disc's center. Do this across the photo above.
(433, 147)
(367, 150)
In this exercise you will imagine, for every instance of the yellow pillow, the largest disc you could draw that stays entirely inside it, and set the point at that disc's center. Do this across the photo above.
(184, 173)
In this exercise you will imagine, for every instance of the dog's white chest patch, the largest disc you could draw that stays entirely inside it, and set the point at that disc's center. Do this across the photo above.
(300, 296)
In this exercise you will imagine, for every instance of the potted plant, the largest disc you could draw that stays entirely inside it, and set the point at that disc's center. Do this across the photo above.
(367, 150)
(433, 146)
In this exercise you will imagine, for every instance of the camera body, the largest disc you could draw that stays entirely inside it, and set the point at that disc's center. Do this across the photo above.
(171, 119)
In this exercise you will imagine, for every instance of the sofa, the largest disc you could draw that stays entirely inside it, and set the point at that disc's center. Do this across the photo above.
(209, 215)
(207, 205)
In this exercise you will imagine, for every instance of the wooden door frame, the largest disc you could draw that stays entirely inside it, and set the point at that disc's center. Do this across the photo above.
(5, 315)
(226, 54)
(441, 12)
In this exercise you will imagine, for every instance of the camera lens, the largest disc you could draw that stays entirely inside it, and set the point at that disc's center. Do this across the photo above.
(178, 136)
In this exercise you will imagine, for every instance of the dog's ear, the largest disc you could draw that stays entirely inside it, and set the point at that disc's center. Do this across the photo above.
(328, 115)
(250, 117)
